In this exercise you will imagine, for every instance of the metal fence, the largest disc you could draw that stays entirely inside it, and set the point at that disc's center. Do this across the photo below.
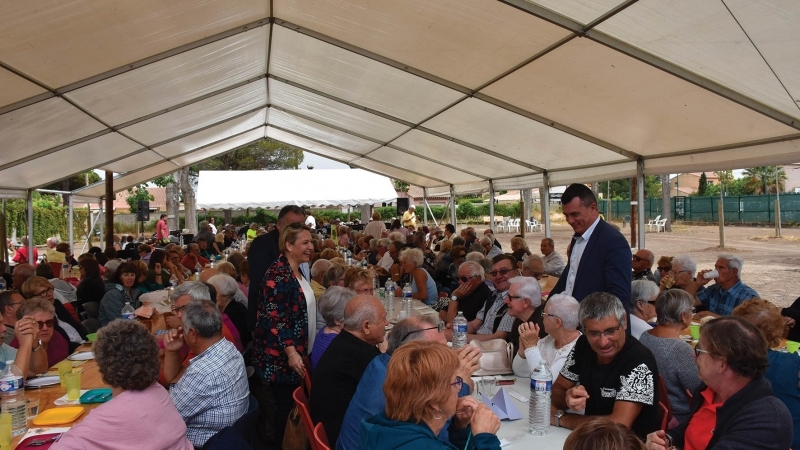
(749, 209)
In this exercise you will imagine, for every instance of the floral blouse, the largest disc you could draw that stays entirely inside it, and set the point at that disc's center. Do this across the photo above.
(281, 321)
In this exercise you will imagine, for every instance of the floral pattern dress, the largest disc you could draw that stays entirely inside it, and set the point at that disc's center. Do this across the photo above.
(281, 321)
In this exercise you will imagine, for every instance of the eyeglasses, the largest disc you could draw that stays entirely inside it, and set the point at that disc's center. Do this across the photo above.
(366, 291)
(544, 314)
(439, 328)
(49, 323)
(637, 258)
(459, 382)
(178, 309)
(512, 297)
(679, 271)
(48, 291)
(531, 273)
(502, 272)
(466, 279)
(607, 333)
(664, 269)
(698, 350)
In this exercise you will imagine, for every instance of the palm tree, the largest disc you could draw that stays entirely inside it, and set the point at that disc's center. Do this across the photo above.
(761, 180)
(725, 177)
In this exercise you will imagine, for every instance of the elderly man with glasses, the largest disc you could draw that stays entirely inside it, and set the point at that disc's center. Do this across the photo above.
(471, 294)
(642, 263)
(369, 400)
(492, 321)
(617, 374)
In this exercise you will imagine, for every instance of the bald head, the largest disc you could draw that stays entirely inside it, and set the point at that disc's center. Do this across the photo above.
(365, 318)
(21, 274)
(208, 273)
(642, 260)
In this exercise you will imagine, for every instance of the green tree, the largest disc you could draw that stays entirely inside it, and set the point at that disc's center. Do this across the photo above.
(762, 179)
(137, 194)
(725, 179)
(401, 186)
(265, 154)
(702, 185)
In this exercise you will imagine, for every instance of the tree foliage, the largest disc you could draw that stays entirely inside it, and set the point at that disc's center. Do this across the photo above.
(702, 184)
(135, 195)
(621, 189)
(401, 186)
(75, 181)
(761, 180)
(265, 154)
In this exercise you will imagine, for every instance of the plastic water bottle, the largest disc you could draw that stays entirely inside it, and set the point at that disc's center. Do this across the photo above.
(213, 262)
(64, 269)
(389, 296)
(173, 281)
(459, 329)
(127, 312)
(539, 407)
(405, 309)
(12, 397)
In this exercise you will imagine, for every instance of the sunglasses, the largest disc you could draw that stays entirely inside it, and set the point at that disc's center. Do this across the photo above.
(439, 328)
(49, 323)
(502, 272)
(465, 279)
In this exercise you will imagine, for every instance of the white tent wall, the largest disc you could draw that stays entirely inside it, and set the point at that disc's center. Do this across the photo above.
(434, 94)
(277, 188)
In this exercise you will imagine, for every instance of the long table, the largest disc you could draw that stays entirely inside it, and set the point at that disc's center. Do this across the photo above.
(516, 431)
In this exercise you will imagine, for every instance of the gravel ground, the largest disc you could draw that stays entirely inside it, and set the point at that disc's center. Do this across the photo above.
(771, 264)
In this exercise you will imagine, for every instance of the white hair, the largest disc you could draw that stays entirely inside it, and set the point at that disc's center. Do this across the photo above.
(686, 262)
(734, 262)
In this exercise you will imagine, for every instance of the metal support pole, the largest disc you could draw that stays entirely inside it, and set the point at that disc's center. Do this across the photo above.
(491, 206)
(545, 199)
(777, 203)
(640, 205)
(721, 215)
(425, 209)
(109, 209)
(101, 228)
(521, 217)
(71, 226)
(30, 228)
(453, 206)
(3, 236)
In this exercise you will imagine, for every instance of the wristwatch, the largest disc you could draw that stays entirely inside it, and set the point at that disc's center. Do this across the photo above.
(38, 347)
(558, 415)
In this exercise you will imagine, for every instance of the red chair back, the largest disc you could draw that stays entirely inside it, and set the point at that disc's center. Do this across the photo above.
(301, 401)
(307, 371)
(320, 438)
(56, 267)
(665, 408)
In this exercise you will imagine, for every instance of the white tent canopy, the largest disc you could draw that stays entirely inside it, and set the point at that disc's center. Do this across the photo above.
(520, 93)
(278, 188)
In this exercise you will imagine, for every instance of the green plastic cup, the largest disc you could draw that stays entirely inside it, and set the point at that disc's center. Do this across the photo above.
(791, 346)
(73, 381)
(695, 331)
(63, 367)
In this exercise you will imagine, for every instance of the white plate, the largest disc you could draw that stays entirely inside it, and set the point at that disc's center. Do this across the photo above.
(43, 381)
(82, 356)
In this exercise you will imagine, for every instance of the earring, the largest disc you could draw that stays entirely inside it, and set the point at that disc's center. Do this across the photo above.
(440, 415)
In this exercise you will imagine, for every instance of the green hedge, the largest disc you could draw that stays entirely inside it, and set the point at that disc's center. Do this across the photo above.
(48, 220)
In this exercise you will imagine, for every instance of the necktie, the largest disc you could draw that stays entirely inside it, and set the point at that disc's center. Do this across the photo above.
(572, 244)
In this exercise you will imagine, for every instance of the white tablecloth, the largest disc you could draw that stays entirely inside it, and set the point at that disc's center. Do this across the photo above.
(516, 431)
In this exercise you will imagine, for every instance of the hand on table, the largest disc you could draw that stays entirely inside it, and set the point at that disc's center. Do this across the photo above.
(173, 341)
(576, 398)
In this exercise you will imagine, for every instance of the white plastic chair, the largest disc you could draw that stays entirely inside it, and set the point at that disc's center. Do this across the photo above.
(653, 223)
(536, 225)
(514, 225)
(502, 227)
(661, 225)
(528, 226)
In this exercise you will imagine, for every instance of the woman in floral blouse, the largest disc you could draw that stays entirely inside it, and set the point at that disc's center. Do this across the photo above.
(285, 321)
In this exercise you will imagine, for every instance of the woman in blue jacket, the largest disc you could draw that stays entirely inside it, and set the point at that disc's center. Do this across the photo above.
(421, 390)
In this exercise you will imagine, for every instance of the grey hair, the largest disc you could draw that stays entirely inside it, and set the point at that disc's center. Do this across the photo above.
(528, 288)
(334, 273)
(397, 236)
(54, 240)
(373, 245)
(530, 258)
(204, 317)
(475, 269)
(332, 303)
(566, 308)
(409, 325)
(384, 242)
(686, 262)
(600, 305)
(203, 225)
(361, 315)
(475, 256)
(486, 240)
(412, 255)
(642, 290)
(194, 289)
(734, 262)
(671, 304)
(487, 264)
(319, 267)
(224, 284)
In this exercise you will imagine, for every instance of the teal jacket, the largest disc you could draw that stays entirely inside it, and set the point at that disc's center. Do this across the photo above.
(380, 432)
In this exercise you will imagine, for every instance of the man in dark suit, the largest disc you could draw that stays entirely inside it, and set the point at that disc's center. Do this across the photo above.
(599, 256)
(263, 252)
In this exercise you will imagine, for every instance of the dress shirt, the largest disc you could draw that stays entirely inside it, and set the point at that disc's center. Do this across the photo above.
(575, 256)
(722, 302)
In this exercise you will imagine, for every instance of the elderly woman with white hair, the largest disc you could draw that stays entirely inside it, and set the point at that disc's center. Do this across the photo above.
(423, 287)
(331, 307)
(682, 274)
(643, 305)
(560, 317)
(226, 288)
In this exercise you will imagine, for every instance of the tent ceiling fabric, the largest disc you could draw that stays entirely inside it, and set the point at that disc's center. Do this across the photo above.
(278, 188)
(431, 93)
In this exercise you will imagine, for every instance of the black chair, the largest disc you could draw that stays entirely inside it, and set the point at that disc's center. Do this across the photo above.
(92, 310)
(92, 325)
(241, 435)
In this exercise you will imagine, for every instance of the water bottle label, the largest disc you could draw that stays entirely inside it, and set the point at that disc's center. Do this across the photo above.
(11, 384)
(541, 385)
(128, 316)
(461, 328)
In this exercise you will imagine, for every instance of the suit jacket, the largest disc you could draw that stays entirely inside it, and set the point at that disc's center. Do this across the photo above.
(263, 252)
(605, 266)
